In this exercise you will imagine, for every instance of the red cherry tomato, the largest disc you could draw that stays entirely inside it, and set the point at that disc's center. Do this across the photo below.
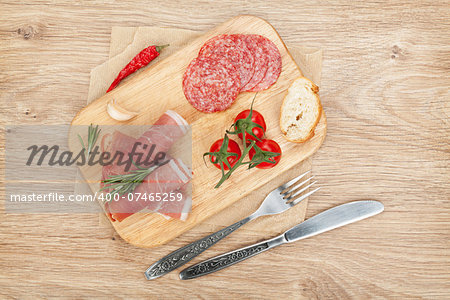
(257, 118)
(222, 153)
(266, 145)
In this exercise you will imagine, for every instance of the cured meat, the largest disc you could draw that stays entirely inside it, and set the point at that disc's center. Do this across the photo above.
(210, 43)
(234, 49)
(165, 179)
(177, 209)
(273, 66)
(211, 84)
(112, 143)
(171, 117)
(255, 44)
(164, 132)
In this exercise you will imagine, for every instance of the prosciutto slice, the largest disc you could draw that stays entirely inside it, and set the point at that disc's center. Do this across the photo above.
(113, 143)
(166, 130)
(165, 179)
(159, 138)
(170, 177)
(177, 209)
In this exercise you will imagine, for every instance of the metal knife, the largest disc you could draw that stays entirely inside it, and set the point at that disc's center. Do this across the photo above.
(330, 219)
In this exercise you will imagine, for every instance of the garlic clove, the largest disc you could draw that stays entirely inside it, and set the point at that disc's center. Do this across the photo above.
(119, 113)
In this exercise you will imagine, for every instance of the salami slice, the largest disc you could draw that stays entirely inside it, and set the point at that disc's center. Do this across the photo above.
(227, 64)
(273, 66)
(211, 84)
(255, 43)
(233, 48)
(211, 43)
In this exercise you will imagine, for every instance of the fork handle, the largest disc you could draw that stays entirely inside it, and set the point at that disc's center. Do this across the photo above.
(183, 255)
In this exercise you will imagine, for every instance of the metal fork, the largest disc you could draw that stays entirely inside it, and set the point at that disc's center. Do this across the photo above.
(279, 200)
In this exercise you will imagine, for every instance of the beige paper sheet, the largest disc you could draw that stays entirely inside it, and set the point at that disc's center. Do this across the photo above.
(126, 42)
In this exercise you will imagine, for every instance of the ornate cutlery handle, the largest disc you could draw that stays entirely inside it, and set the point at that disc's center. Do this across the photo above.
(225, 260)
(330, 219)
(183, 255)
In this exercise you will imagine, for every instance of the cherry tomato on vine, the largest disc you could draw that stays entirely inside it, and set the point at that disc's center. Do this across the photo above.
(266, 154)
(224, 152)
(255, 125)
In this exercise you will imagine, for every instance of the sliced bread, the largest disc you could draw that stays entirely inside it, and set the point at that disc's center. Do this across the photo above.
(300, 111)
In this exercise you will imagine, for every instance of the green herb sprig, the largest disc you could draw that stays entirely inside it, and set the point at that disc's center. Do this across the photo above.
(93, 133)
(126, 183)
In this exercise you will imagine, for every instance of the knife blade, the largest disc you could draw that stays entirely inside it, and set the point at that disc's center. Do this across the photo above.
(333, 218)
(328, 220)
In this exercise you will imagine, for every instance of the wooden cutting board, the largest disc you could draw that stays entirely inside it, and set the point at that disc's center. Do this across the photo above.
(158, 89)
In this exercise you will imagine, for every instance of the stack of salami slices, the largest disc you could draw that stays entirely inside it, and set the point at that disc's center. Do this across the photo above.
(228, 64)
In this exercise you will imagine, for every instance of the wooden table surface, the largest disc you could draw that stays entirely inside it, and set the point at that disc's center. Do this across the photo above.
(385, 90)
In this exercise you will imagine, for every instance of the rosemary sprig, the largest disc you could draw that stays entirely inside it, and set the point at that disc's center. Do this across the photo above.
(126, 183)
(93, 133)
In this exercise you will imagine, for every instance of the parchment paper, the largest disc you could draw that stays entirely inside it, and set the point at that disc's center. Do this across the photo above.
(126, 42)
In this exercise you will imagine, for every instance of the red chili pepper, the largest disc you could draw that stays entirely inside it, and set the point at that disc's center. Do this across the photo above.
(141, 60)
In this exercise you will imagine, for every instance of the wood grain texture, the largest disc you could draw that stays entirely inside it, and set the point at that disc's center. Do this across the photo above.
(158, 89)
(385, 92)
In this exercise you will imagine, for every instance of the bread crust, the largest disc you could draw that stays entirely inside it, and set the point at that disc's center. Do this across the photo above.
(315, 90)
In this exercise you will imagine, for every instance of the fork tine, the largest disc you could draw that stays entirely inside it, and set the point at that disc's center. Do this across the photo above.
(290, 190)
(298, 200)
(299, 191)
(292, 181)
(294, 193)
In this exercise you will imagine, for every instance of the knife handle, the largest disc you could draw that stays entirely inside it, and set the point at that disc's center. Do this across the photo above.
(225, 260)
(183, 255)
